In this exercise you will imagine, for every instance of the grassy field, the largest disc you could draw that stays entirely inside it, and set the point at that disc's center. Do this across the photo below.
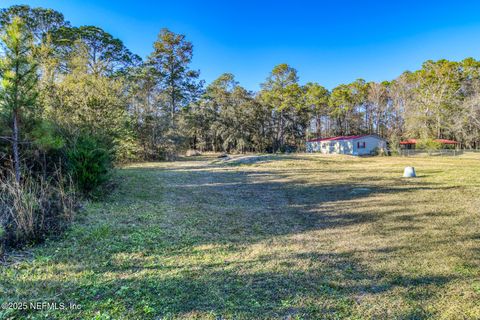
(293, 237)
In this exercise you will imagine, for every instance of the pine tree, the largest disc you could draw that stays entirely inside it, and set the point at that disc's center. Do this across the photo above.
(18, 71)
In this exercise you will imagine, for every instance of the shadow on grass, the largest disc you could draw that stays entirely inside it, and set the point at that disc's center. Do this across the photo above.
(331, 290)
(166, 214)
(217, 206)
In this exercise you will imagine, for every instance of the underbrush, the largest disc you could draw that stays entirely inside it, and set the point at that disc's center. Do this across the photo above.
(89, 162)
(34, 209)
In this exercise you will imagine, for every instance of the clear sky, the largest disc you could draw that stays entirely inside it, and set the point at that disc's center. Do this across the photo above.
(330, 42)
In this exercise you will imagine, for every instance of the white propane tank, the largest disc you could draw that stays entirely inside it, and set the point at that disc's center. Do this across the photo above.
(409, 172)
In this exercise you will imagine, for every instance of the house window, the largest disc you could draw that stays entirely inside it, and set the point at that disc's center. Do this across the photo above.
(361, 145)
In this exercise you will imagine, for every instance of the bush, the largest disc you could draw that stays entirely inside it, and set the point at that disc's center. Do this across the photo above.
(394, 145)
(126, 150)
(33, 209)
(378, 152)
(89, 162)
(429, 145)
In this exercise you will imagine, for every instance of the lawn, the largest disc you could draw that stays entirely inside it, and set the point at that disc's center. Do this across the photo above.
(291, 237)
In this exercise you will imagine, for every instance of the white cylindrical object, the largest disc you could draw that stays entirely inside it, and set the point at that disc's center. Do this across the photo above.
(409, 172)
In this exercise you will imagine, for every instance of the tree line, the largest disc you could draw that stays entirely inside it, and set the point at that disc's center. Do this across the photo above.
(83, 80)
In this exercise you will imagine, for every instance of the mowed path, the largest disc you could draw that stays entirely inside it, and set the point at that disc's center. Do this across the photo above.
(293, 237)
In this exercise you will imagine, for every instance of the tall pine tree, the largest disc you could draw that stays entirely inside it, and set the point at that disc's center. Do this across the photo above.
(18, 71)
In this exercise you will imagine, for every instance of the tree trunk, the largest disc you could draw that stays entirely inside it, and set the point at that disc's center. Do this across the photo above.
(15, 142)
(319, 126)
(44, 164)
(280, 130)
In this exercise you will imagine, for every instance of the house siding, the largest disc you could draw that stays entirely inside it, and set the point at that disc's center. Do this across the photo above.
(347, 146)
(371, 143)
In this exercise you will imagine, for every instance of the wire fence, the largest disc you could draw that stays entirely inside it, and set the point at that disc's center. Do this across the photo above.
(434, 153)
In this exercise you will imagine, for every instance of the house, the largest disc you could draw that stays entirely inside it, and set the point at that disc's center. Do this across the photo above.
(411, 143)
(352, 145)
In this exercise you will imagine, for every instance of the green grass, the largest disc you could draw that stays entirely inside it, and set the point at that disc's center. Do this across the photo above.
(294, 237)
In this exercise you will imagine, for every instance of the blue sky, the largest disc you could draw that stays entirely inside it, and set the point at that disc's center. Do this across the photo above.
(330, 42)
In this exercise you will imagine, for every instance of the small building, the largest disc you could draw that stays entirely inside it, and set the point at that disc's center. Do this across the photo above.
(411, 143)
(352, 145)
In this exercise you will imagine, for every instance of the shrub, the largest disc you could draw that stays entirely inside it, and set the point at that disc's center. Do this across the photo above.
(127, 150)
(394, 145)
(33, 209)
(429, 145)
(378, 152)
(89, 162)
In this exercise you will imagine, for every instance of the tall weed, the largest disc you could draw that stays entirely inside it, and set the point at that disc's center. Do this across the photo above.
(34, 208)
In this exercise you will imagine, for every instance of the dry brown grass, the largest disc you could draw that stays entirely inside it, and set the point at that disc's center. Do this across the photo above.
(32, 209)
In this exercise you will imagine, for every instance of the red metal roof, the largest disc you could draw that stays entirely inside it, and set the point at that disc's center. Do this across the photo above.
(338, 138)
(442, 141)
(446, 141)
(409, 141)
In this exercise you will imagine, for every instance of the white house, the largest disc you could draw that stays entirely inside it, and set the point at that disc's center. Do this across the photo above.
(352, 145)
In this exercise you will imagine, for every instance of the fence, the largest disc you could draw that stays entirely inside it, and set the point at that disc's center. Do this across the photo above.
(431, 153)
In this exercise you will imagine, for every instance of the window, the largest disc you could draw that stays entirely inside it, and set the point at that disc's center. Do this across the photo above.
(361, 145)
